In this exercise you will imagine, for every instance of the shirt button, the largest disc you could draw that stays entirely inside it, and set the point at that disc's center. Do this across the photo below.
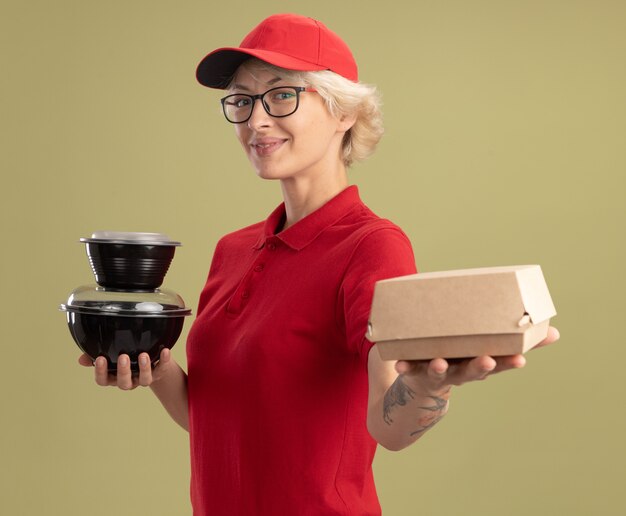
(259, 267)
(245, 294)
(271, 246)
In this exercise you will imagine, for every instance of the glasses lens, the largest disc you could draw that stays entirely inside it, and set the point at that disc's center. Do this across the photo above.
(277, 102)
(281, 101)
(237, 108)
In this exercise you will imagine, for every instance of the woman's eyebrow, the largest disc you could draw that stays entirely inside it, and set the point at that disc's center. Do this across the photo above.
(245, 88)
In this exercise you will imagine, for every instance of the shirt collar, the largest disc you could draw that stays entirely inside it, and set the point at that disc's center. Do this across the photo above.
(303, 232)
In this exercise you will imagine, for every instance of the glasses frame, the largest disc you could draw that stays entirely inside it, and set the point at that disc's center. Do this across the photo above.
(260, 96)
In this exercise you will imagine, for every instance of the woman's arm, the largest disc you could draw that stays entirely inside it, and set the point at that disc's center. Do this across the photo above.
(399, 412)
(406, 398)
(170, 387)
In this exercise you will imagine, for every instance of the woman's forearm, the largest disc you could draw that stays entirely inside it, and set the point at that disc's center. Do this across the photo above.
(171, 390)
(405, 413)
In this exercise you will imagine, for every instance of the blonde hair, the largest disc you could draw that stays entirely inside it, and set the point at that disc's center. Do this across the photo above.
(343, 98)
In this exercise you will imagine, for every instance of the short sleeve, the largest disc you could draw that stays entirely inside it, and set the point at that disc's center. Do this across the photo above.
(383, 253)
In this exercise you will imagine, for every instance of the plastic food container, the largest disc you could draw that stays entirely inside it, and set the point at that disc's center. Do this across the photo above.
(131, 261)
(108, 323)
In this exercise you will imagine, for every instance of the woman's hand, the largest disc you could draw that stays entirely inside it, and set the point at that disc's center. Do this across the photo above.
(124, 378)
(410, 397)
(435, 376)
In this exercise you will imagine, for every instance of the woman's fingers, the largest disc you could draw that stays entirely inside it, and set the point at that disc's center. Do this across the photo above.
(85, 360)
(553, 336)
(506, 363)
(470, 370)
(165, 356)
(438, 369)
(124, 378)
(124, 374)
(404, 366)
(439, 372)
(145, 370)
(101, 372)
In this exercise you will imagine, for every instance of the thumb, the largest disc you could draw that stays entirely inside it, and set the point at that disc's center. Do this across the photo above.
(165, 358)
(85, 360)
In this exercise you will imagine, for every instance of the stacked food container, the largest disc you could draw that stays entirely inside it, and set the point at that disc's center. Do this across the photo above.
(127, 311)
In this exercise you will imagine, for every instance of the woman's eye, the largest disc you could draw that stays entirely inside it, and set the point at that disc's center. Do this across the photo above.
(241, 102)
(281, 96)
(237, 101)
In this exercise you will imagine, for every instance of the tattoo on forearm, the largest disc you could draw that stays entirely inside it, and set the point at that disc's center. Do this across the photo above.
(440, 404)
(425, 427)
(398, 394)
(434, 415)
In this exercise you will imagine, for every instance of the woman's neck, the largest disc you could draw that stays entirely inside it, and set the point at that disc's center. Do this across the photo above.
(303, 196)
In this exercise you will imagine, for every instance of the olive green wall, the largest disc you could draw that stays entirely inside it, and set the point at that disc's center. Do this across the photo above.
(505, 145)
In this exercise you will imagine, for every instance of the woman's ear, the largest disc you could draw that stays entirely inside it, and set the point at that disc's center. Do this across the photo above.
(346, 122)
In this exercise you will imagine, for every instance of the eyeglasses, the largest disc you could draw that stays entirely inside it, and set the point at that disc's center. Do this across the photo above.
(277, 102)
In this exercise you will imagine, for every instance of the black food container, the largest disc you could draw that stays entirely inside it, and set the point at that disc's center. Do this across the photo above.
(129, 261)
(127, 313)
(108, 323)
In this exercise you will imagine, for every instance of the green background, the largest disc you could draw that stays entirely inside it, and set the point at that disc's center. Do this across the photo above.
(504, 145)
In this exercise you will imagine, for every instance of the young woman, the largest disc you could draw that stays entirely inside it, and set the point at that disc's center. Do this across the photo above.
(285, 399)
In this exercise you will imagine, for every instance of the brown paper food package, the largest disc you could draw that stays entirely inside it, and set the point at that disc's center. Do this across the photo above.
(462, 313)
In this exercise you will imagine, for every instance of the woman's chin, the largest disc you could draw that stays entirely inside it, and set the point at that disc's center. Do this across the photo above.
(268, 173)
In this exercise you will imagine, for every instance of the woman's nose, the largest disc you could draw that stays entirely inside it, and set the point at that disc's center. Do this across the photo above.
(259, 116)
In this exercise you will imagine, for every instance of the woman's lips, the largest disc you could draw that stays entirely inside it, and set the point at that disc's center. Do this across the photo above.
(266, 146)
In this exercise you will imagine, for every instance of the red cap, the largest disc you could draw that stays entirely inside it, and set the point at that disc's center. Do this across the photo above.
(289, 41)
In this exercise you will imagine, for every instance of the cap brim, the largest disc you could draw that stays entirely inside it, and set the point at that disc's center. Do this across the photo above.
(218, 67)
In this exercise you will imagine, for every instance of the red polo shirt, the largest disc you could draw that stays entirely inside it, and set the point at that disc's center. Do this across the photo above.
(277, 364)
